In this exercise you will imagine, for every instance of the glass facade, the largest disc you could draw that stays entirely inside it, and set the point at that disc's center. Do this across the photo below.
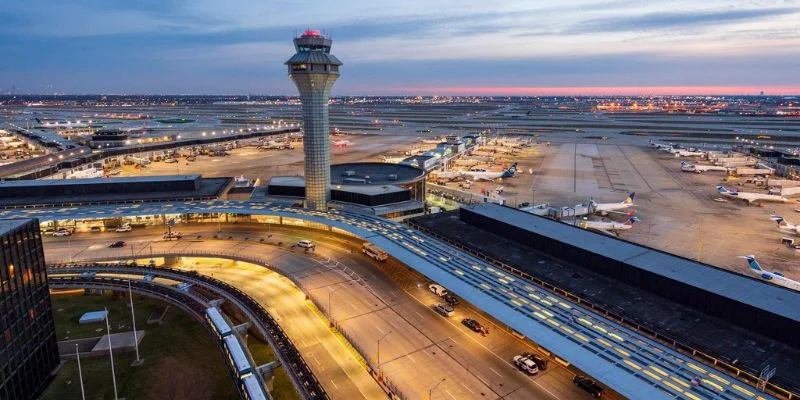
(28, 349)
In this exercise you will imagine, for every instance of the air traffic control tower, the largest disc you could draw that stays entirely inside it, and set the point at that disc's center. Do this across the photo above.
(314, 70)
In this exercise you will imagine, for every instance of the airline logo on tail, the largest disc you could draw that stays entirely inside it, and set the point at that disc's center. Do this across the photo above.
(510, 171)
(629, 199)
(751, 260)
(724, 190)
(777, 218)
(632, 220)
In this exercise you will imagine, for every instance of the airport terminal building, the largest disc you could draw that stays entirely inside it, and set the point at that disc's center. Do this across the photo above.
(28, 349)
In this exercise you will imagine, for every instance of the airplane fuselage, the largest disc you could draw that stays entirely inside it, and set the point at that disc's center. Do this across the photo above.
(776, 279)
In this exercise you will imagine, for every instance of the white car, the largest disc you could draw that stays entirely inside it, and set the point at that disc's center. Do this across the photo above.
(438, 290)
(525, 364)
(306, 244)
(124, 228)
(62, 232)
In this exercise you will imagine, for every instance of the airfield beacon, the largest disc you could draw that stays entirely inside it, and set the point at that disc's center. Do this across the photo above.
(314, 70)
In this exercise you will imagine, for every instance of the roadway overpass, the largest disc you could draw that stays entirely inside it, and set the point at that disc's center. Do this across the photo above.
(634, 365)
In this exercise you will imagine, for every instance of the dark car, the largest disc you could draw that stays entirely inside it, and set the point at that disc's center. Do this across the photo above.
(452, 300)
(118, 243)
(540, 361)
(475, 326)
(588, 385)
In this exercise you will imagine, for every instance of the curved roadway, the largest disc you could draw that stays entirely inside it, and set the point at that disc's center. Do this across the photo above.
(422, 349)
(635, 366)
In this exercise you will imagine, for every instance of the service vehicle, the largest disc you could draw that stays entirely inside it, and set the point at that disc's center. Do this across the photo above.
(374, 251)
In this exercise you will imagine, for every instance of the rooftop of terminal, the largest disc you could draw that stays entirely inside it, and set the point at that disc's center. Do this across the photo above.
(503, 239)
(55, 192)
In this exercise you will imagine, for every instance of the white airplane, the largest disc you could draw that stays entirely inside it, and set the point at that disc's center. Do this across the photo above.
(605, 208)
(480, 175)
(774, 277)
(687, 153)
(608, 227)
(784, 225)
(393, 159)
(660, 146)
(686, 167)
(750, 198)
(342, 143)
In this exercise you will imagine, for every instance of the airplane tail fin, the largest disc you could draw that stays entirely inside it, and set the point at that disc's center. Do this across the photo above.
(629, 199)
(683, 163)
(751, 260)
(777, 218)
(632, 220)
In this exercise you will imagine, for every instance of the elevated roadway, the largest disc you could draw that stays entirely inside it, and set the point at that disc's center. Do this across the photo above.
(635, 366)
(365, 304)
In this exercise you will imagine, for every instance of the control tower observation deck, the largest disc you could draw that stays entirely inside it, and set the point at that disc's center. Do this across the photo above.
(314, 70)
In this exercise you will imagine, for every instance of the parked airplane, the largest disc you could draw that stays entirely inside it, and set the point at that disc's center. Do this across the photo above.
(605, 208)
(608, 227)
(686, 167)
(773, 277)
(342, 143)
(393, 159)
(480, 175)
(750, 198)
(660, 146)
(687, 153)
(785, 225)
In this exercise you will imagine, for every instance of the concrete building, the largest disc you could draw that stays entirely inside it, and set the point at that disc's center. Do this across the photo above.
(314, 70)
(28, 349)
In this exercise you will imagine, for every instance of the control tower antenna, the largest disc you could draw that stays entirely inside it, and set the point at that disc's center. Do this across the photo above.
(314, 70)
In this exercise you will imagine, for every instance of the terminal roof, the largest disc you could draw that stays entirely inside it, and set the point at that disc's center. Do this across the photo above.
(741, 288)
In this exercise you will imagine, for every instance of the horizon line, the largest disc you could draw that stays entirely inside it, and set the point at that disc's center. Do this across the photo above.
(514, 91)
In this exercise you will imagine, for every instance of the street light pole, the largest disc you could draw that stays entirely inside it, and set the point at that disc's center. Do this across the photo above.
(430, 392)
(330, 306)
(133, 319)
(379, 348)
(111, 356)
(80, 372)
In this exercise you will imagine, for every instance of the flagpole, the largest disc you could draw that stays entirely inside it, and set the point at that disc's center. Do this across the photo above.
(80, 373)
(111, 356)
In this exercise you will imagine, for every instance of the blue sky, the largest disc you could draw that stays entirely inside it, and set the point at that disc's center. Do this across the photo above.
(400, 47)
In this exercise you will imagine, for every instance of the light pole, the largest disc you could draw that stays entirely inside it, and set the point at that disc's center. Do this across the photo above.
(379, 348)
(330, 310)
(80, 372)
(133, 319)
(430, 391)
(111, 356)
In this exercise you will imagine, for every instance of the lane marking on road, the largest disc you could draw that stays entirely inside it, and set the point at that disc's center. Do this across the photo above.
(467, 387)
(495, 371)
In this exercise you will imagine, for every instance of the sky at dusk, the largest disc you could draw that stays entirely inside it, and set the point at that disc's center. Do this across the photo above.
(426, 47)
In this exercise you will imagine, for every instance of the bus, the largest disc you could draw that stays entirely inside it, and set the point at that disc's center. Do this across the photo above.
(374, 251)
